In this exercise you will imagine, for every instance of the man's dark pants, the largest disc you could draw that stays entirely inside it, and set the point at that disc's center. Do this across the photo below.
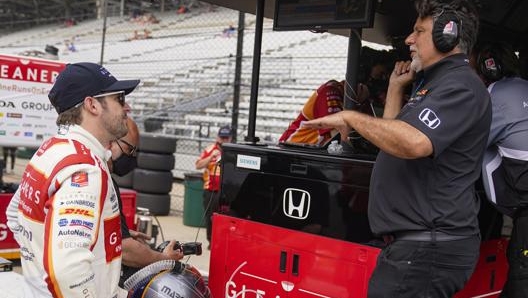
(517, 283)
(416, 269)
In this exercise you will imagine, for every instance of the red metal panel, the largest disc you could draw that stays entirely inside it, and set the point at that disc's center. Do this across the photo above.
(246, 261)
(128, 197)
(491, 271)
(7, 242)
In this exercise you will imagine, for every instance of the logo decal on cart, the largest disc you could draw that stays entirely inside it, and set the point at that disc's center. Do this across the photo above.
(234, 291)
(296, 203)
(248, 162)
(244, 283)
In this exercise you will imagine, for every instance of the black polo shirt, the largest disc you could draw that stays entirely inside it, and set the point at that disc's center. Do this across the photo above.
(451, 106)
(125, 233)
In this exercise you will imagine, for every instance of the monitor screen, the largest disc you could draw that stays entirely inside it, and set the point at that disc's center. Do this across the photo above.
(323, 14)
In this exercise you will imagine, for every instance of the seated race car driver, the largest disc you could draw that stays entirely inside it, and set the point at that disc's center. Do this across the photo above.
(326, 100)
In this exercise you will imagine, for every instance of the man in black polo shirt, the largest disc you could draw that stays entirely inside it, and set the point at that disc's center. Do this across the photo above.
(422, 199)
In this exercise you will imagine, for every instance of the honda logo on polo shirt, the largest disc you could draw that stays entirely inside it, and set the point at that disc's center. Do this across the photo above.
(429, 118)
(296, 203)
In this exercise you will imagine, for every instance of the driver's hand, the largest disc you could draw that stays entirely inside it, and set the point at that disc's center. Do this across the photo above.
(141, 237)
(171, 253)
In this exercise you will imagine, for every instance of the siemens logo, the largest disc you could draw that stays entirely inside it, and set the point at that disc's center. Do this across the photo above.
(248, 162)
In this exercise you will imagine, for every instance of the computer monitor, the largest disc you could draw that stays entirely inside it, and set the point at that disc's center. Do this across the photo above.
(323, 14)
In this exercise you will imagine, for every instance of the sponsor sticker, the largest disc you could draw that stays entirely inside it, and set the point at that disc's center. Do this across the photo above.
(79, 179)
(63, 222)
(418, 97)
(26, 254)
(14, 115)
(78, 202)
(112, 241)
(76, 211)
(73, 244)
(248, 162)
(81, 223)
(490, 64)
(450, 28)
(75, 232)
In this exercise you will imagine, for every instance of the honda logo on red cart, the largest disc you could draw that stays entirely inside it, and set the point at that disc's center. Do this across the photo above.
(296, 203)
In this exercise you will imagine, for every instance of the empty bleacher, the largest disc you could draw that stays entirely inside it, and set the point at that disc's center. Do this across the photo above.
(187, 68)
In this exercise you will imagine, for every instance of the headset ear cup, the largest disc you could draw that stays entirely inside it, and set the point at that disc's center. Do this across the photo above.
(446, 32)
(489, 66)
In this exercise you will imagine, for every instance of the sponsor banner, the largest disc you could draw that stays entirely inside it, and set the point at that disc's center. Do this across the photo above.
(27, 116)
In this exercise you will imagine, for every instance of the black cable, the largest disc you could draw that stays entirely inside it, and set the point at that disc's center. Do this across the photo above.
(159, 227)
(202, 221)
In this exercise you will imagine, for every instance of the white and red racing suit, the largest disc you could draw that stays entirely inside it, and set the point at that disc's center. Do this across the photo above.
(65, 217)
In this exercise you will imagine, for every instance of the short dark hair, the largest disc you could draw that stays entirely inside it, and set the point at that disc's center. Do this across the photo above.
(369, 58)
(465, 10)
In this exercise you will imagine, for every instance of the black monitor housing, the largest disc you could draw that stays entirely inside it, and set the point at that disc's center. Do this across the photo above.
(321, 15)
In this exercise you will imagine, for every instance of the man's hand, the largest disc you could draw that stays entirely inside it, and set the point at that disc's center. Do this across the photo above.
(402, 75)
(140, 237)
(171, 253)
(331, 121)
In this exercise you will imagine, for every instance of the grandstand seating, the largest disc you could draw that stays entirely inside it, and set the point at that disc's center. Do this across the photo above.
(187, 61)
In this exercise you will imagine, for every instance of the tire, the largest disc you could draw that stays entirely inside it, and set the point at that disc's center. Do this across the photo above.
(156, 182)
(156, 144)
(153, 125)
(153, 161)
(126, 181)
(156, 203)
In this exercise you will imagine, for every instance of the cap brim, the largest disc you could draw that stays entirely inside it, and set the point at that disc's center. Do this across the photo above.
(125, 85)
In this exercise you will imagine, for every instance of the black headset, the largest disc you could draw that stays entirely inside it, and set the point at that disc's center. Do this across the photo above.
(489, 64)
(446, 31)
